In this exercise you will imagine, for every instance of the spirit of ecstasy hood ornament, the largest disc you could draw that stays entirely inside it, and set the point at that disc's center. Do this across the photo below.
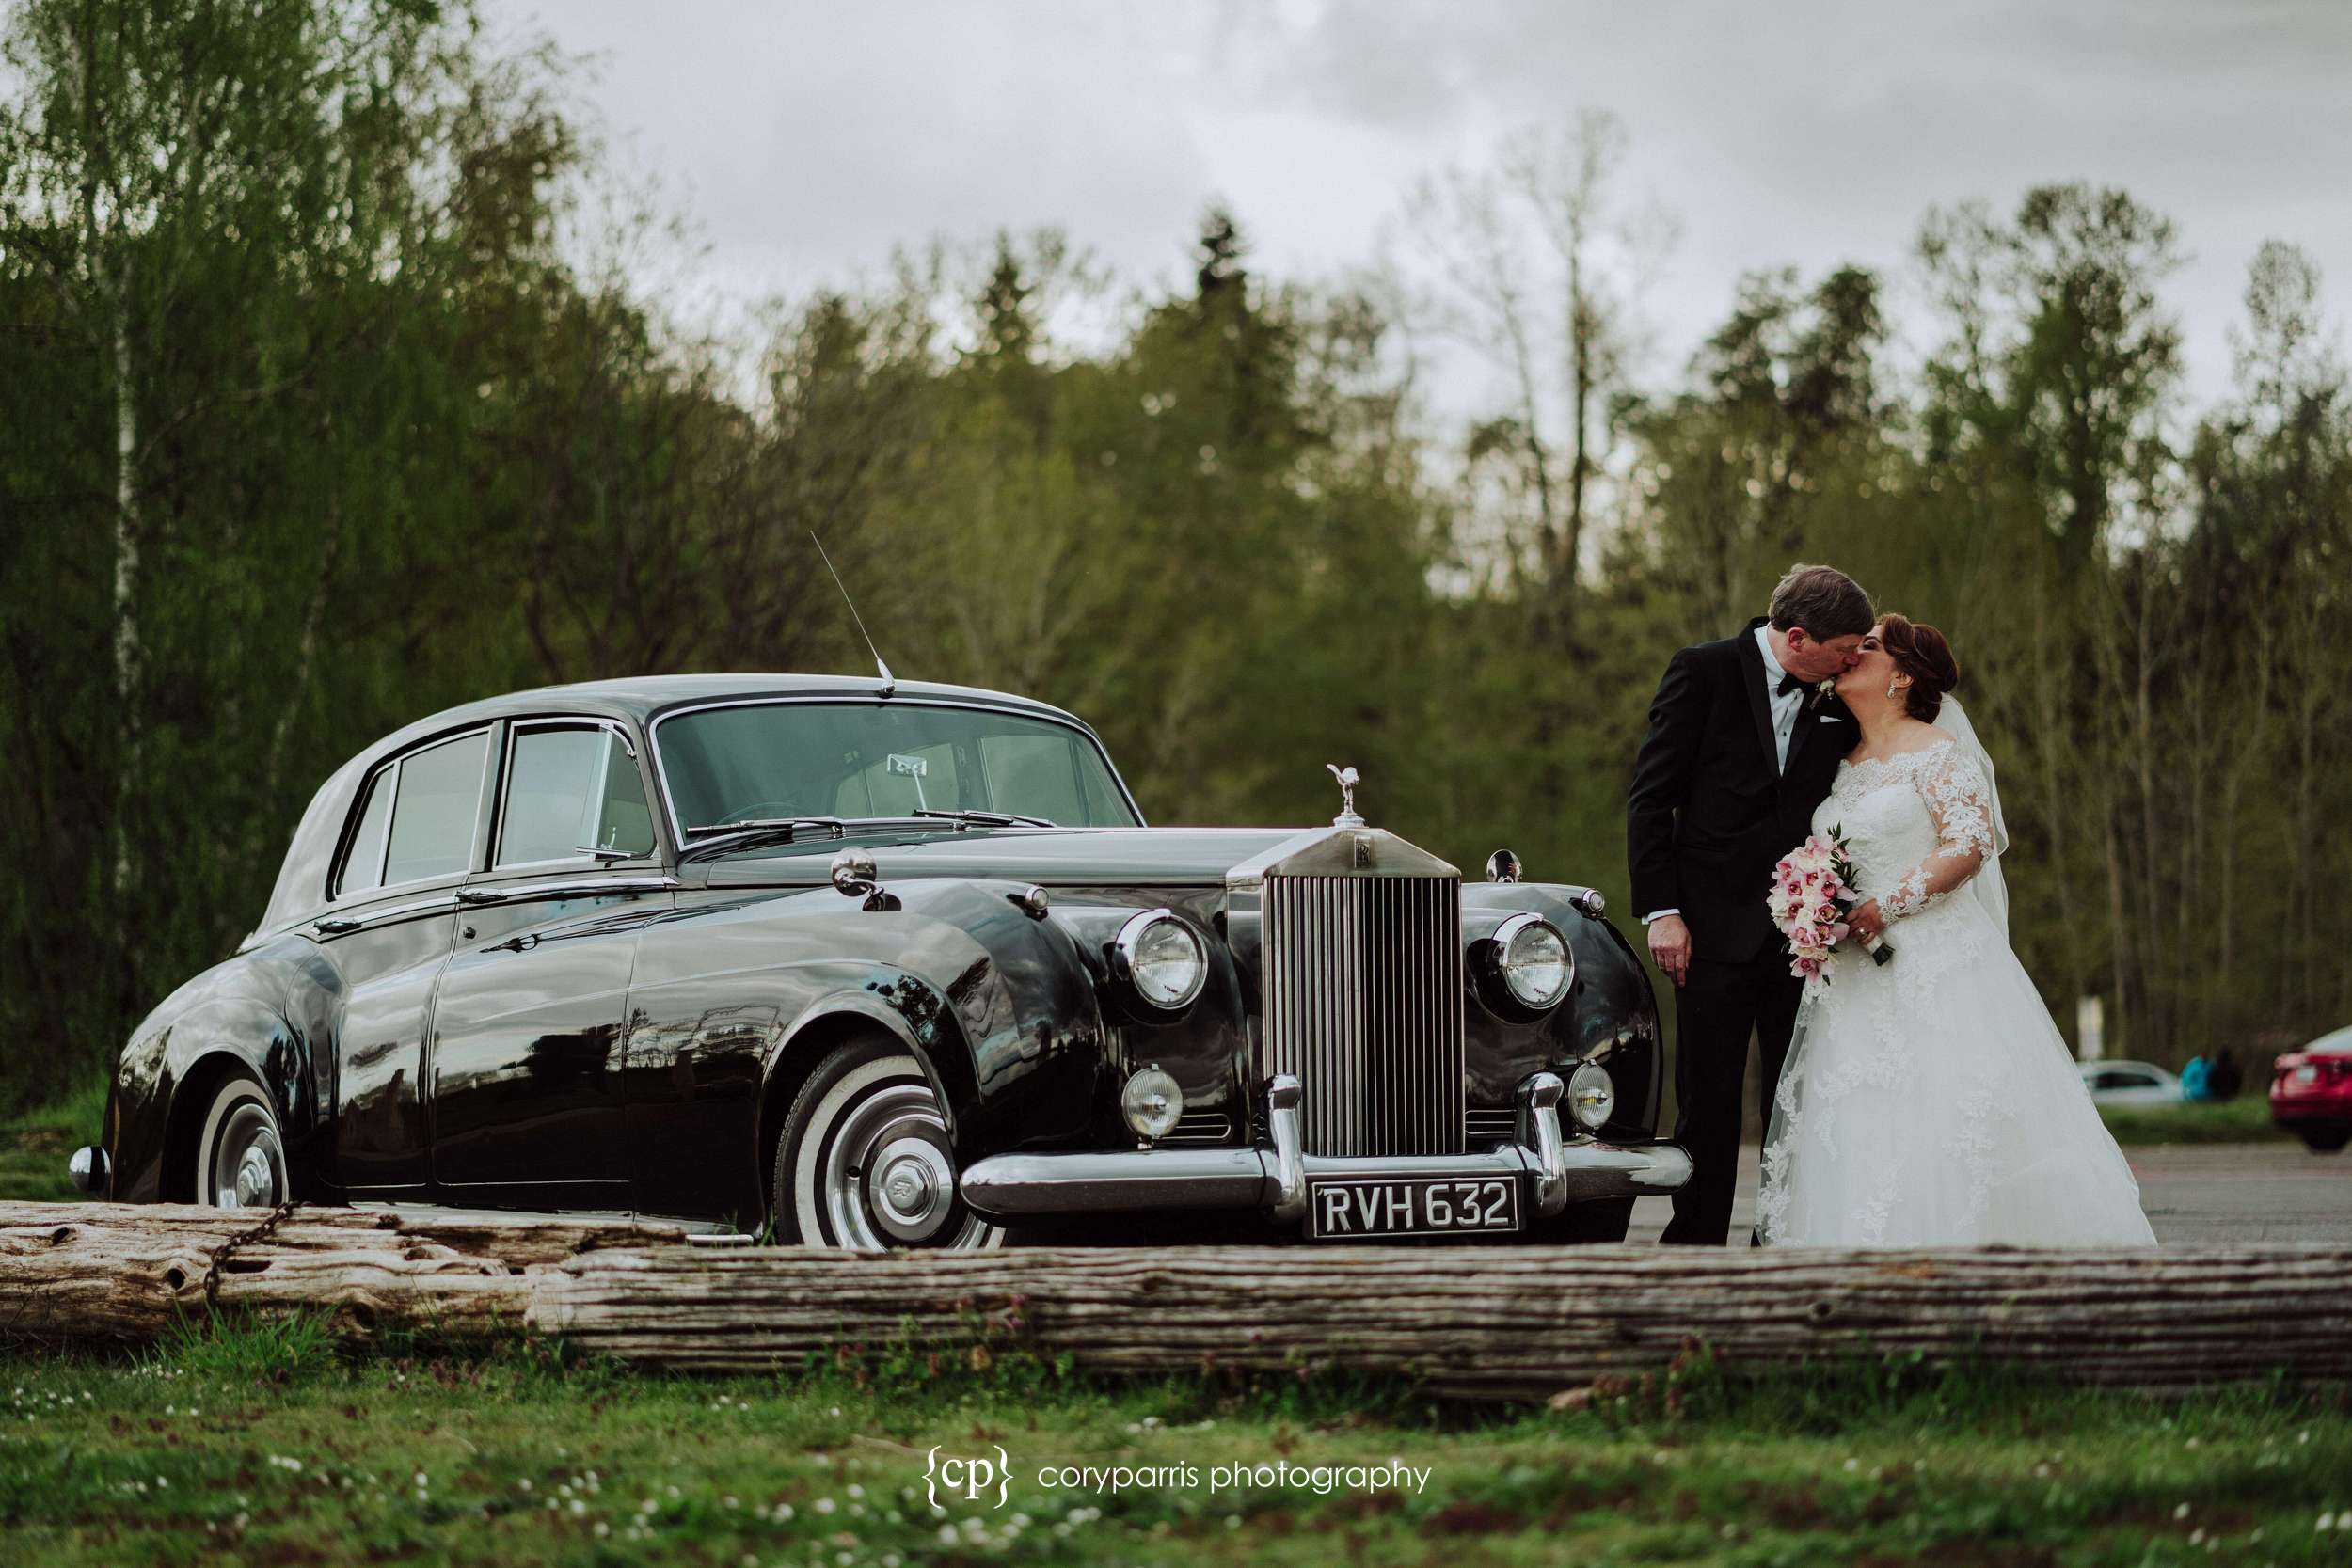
(1347, 777)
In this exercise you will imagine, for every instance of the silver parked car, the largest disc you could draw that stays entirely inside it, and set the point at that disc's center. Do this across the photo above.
(2131, 1083)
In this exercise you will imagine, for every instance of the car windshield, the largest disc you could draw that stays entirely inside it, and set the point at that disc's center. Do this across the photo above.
(760, 762)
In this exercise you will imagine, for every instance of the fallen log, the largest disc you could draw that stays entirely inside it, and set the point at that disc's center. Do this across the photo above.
(1489, 1323)
(124, 1272)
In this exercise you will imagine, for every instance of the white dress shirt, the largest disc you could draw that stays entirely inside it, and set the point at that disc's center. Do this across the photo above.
(1784, 706)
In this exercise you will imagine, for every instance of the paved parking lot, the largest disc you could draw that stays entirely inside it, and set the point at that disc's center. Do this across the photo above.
(2196, 1195)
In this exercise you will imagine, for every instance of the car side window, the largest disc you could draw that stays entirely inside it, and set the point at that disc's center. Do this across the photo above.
(363, 864)
(571, 787)
(625, 821)
(549, 785)
(437, 797)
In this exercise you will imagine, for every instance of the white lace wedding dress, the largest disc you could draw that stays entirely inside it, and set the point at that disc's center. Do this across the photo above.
(1930, 1101)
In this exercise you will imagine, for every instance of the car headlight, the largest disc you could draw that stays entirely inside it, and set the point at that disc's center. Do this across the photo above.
(1161, 957)
(1532, 961)
(1151, 1102)
(1592, 1096)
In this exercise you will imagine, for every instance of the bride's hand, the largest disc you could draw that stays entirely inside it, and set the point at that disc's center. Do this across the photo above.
(1867, 922)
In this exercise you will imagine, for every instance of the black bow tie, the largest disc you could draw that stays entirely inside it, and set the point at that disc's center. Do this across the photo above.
(1789, 684)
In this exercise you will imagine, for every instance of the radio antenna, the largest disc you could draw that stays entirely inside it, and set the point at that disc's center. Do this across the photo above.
(890, 682)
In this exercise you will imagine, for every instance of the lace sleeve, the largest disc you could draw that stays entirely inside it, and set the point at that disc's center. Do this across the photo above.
(1956, 798)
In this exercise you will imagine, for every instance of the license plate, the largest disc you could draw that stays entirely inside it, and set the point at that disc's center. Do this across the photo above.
(2306, 1073)
(1350, 1208)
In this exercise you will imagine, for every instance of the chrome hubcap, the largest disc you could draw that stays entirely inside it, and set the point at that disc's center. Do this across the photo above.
(911, 1188)
(887, 1180)
(248, 1167)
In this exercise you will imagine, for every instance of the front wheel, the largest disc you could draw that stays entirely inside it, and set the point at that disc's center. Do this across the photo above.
(2326, 1140)
(864, 1161)
(240, 1159)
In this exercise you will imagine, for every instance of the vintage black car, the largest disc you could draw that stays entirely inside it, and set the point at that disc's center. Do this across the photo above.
(877, 964)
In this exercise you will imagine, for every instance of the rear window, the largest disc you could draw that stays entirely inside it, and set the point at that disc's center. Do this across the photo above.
(418, 817)
(363, 868)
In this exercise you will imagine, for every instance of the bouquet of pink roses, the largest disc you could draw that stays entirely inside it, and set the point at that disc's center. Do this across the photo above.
(1813, 893)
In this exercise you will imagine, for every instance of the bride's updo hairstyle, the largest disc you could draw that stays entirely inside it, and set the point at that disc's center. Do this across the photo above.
(1921, 653)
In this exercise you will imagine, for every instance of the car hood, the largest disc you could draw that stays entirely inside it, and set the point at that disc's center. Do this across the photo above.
(1161, 857)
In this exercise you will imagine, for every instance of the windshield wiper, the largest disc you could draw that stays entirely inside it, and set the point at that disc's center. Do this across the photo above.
(743, 836)
(989, 818)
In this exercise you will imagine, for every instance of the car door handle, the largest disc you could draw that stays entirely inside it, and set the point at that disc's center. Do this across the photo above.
(479, 896)
(333, 927)
(514, 944)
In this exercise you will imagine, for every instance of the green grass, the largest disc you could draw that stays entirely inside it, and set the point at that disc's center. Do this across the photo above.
(35, 1146)
(2244, 1120)
(264, 1446)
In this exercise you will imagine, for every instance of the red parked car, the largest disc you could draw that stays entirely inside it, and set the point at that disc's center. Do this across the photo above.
(2311, 1092)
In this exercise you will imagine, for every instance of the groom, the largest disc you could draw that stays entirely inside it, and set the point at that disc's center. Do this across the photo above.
(1740, 750)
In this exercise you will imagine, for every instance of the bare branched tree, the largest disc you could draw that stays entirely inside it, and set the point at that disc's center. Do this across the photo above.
(1536, 262)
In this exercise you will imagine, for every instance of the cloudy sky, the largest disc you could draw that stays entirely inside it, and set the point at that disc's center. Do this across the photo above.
(803, 140)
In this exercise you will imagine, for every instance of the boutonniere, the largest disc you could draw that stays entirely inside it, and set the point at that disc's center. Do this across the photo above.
(1824, 691)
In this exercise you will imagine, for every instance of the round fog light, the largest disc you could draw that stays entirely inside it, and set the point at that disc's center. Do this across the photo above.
(1151, 1102)
(1592, 1096)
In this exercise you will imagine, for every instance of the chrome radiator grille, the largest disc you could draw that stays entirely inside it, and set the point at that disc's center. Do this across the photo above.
(1363, 1002)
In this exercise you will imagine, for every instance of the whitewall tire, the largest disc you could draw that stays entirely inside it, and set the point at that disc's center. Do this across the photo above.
(240, 1157)
(864, 1162)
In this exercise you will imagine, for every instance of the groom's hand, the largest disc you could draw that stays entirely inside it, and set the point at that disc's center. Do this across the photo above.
(1670, 947)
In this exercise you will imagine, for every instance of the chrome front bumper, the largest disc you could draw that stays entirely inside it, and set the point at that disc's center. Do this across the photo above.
(1558, 1170)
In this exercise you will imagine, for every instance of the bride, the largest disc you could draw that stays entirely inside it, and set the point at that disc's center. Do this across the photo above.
(1930, 1100)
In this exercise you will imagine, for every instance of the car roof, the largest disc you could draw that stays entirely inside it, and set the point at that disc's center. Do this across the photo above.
(638, 699)
(2335, 1044)
(2103, 1063)
(648, 697)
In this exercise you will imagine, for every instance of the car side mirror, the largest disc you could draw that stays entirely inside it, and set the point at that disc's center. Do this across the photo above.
(854, 877)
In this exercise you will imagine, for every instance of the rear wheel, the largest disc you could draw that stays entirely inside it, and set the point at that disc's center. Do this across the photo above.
(240, 1159)
(2326, 1140)
(864, 1161)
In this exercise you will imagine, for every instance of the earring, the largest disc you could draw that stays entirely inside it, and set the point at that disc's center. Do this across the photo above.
(1891, 689)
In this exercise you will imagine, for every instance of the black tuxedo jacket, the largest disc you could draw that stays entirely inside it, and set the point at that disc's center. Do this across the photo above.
(1710, 812)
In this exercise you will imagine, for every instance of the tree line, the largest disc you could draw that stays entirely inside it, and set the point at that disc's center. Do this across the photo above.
(319, 413)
